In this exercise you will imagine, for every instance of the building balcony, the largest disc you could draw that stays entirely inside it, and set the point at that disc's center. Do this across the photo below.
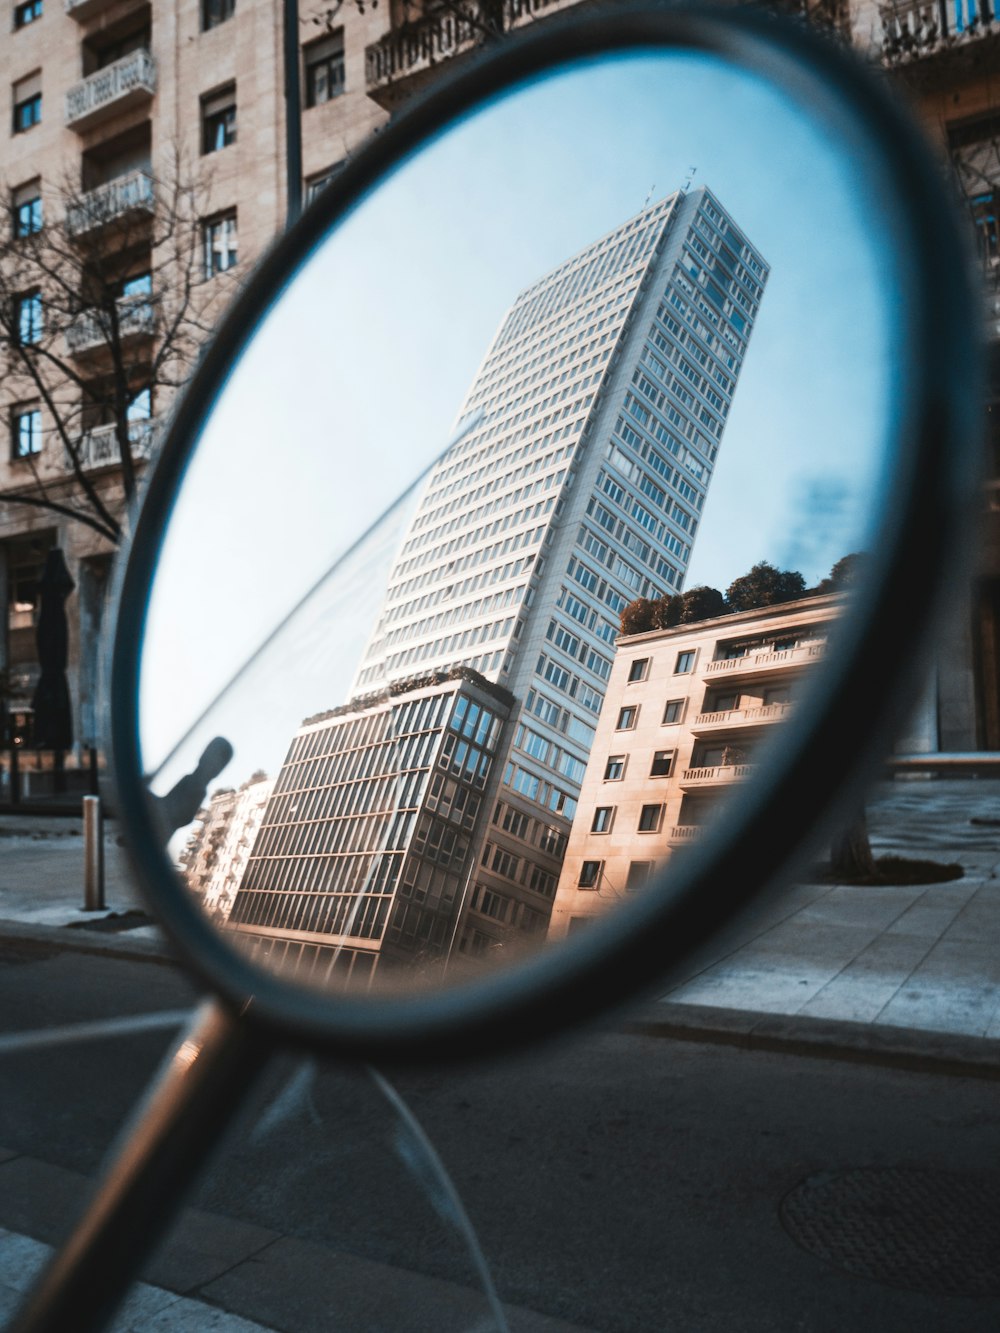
(89, 332)
(713, 777)
(109, 91)
(405, 58)
(98, 448)
(913, 30)
(766, 662)
(740, 717)
(684, 833)
(81, 10)
(129, 194)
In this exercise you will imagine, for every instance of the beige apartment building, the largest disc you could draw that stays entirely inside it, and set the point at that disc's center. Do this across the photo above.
(685, 713)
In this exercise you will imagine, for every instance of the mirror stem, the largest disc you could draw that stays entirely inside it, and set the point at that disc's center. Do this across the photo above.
(154, 1161)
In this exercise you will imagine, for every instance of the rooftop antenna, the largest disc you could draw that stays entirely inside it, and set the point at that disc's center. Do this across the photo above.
(689, 179)
(649, 195)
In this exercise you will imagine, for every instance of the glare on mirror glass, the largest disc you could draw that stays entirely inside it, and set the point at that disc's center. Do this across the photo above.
(643, 311)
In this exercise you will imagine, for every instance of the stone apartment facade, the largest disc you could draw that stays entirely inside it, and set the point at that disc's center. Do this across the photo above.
(685, 712)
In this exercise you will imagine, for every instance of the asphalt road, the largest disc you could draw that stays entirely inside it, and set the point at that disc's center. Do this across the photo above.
(619, 1182)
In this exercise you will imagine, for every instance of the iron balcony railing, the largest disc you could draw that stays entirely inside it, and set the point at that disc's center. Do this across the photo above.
(417, 46)
(132, 193)
(98, 448)
(915, 28)
(90, 331)
(112, 89)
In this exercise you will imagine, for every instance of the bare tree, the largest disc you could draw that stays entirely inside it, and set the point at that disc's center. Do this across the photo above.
(103, 306)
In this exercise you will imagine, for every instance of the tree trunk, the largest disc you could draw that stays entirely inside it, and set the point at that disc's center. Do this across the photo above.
(851, 852)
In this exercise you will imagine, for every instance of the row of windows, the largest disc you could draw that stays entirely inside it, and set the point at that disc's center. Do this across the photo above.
(466, 611)
(498, 574)
(361, 872)
(673, 710)
(534, 788)
(402, 719)
(661, 765)
(619, 496)
(383, 757)
(536, 364)
(494, 481)
(485, 554)
(538, 834)
(507, 911)
(546, 752)
(650, 818)
(322, 913)
(512, 520)
(519, 869)
(383, 827)
(443, 649)
(593, 875)
(453, 800)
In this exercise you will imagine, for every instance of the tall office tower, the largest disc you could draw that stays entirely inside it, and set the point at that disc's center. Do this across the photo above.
(599, 407)
(602, 403)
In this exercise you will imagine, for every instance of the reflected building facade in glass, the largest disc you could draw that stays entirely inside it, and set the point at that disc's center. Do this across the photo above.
(592, 432)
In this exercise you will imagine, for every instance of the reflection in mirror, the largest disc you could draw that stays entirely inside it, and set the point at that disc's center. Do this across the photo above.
(644, 301)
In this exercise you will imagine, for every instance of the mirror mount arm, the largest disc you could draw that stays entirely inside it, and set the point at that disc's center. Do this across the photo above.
(157, 1157)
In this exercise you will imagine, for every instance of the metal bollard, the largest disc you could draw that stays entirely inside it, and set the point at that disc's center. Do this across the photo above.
(93, 855)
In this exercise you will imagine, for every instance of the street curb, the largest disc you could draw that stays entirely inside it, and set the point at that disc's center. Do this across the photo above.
(81, 940)
(825, 1038)
(794, 1034)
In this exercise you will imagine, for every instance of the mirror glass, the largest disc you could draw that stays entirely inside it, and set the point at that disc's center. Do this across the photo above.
(615, 353)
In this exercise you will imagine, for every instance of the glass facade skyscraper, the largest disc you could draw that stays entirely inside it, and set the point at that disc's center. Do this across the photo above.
(596, 419)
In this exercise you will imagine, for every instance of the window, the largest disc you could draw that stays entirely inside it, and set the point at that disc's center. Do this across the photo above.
(139, 284)
(638, 874)
(27, 209)
(627, 718)
(663, 762)
(26, 430)
(140, 407)
(27, 13)
(603, 816)
(614, 768)
(639, 670)
(218, 120)
(324, 60)
(27, 102)
(214, 12)
(590, 874)
(219, 243)
(674, 710)
(684, 663)
(316, 184)
(29, 318)
(649, 818)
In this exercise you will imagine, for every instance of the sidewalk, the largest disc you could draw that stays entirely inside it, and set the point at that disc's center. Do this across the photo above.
(42, 872)
(895, 959)
(214, 1273)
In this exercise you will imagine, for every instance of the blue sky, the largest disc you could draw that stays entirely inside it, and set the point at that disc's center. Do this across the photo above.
(352, 384)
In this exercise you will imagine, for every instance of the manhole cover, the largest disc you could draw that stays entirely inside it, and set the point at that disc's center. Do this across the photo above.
(931, 1231)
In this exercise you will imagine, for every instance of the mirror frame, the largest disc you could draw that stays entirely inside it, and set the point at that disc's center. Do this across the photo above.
(845, 724)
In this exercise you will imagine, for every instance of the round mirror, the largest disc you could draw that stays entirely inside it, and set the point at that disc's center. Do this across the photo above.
(509, 560)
